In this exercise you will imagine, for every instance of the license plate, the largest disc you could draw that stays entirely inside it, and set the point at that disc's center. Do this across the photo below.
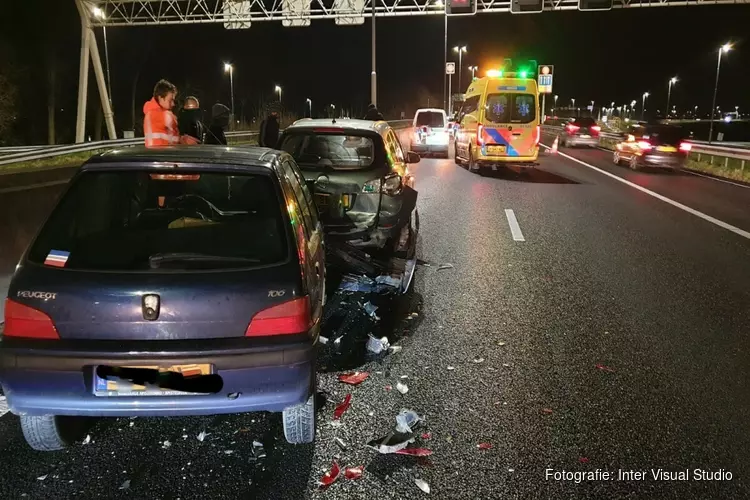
(666, 149)
(584, 136)
(118, 387)
(495, 150)
(321, 200)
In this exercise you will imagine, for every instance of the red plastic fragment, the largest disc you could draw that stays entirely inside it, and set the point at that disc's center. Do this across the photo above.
(355, 378)
(583, 460)
(484, 446)
(388, 387)
(330, 477)
(340, 409)
(415, 452)
(547, 411)
(353, 472)
(427, 435)
(604, 368)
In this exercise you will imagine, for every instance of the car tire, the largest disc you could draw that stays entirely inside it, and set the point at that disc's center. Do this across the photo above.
(299, 422)
(51, 432)
(471, 165)
(456, 159)
(633, 164)
(616, 158)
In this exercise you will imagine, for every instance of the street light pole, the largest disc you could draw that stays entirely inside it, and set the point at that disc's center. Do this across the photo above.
(724, 48)
(228, 68)
(100, 14)
(672, 81)
(643, 106)
(460, 51)
(309, 104)
(445, 54)
(373, 74)
(278, 89)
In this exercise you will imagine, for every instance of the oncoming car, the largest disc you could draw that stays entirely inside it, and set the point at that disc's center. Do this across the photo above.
(662, 146)
(359, 176)
(168, 282)
(498, 124)
(432, 132)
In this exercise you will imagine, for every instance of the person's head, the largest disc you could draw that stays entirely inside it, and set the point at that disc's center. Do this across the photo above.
(165, 93)
(191, 103)
(371, 106)
(275, 114)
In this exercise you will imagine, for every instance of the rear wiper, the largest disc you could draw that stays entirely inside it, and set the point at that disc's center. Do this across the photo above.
(159, 258)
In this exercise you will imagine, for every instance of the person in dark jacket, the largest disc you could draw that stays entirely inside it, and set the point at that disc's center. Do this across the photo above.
(373, 113)
(191, 119)
(269, 131)
(219, 122)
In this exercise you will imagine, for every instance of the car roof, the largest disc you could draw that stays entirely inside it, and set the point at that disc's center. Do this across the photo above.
(436, 110)
(239, 156)
(379, 127)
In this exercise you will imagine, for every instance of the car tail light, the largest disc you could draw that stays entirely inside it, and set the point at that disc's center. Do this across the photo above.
(27, 322)
(686, 147)
(287, 318)
(644, 145)
(390, 185)
(480, 135)
(596, 129)
(572, 128)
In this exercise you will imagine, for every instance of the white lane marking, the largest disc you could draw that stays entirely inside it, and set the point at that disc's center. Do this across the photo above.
(717, 180)
(515, 229)
(706, 217)
(3, 406)
(32, 186)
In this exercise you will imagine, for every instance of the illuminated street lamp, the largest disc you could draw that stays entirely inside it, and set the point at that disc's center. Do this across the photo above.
(723, 49)
(278, 89)
(672, 81)
(643, 106)
(473, 70)
(461, 50)
(228, 68)
(99, 14)
(309, 105)
(556, 96)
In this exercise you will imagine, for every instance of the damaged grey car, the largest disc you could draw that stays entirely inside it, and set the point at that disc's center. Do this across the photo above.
(361, 183)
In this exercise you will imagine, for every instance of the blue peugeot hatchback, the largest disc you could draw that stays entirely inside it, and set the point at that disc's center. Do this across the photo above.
(167, 282)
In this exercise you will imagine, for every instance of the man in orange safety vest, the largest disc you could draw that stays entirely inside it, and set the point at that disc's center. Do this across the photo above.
(159, 123)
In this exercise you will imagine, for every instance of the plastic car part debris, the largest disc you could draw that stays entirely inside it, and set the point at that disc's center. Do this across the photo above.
(407, 421)
(376, 346)
(355, 378)
(258, 450)
(484, 446)
(604, 368)
(391, 281)
(547, 411)
(422, 485)
(341, 408)
(394, 349)
(415, 452)
(202, 436)
(501, 344)
(426, 435)
(166, 444)
(370, 309)
(391, 442)
(125, 485)
(42, 478)
(451, 368)
(87, 440)
(402, 388)
(340, 442)
(353, 472)
(323, 340)
(228, 452)
(330, 477)
(583, 460)
(478, 360)
(445, 266)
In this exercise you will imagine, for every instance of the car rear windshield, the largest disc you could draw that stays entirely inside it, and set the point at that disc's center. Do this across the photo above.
(584, 121)
(143, 220)
(345, 150)
(510, 108)
(665, 135)
(433, 119)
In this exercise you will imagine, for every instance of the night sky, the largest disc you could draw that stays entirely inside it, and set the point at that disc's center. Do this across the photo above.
(602, 56)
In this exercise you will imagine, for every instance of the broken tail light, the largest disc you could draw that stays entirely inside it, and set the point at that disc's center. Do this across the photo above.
(27, 322)
(390, 185)
(287, 318)
(595, 129)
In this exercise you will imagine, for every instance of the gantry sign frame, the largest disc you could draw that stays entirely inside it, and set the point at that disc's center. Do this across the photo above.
(240, 14)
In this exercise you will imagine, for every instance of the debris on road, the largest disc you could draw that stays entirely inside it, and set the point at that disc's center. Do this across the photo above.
(87, 440)
(341, 408)
(377, 346)
(202, 436)
(355, 378)
(583, 460)
(604, 368)
(42, 478)
(407, 421)
(547, 411)
(451, 368)
(394, 349)
(501, 344)
(355, 283)
(353, 472)
(125, 485)
(426, 435)
(258, 451)
(422, 485)
(402, 388)
(415, 452)
(165, 445)
(484, 446)
(340, 442)
(391, 442)
(330, 477)
(388, 387)
(387, 280)
(447, 265)
(323, 340)
(370, 309)
(478, 360)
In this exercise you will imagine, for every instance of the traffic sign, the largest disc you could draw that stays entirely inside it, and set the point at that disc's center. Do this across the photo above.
(544, 78)
(450, 68)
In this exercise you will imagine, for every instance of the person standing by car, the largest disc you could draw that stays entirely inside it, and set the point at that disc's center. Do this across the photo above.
(219, 122)
(373, 113)
(160, 126)
(191, 123)
(269, 131)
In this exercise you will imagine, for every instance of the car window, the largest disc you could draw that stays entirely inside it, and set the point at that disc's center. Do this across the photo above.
(470, 105)
(124, 220)
(430, 119)
(510, 108)
(305, 192)
(393, 147)
(344, 150)
(584, 121)
(297, 186)
(672, 136)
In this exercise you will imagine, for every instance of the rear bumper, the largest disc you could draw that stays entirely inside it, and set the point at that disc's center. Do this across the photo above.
(40, 378)
(581, 141)
(671, 161)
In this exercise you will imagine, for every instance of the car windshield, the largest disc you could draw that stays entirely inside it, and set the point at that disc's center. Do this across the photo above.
(672, 136)
(315, 150)
(510, 108)
(140, 220)
(433, 119)
(584, 121)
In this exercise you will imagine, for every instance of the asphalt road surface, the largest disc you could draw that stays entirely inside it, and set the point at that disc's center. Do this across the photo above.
(596, 327)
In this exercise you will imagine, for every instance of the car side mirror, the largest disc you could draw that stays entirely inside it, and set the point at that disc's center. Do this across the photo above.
(412, 157)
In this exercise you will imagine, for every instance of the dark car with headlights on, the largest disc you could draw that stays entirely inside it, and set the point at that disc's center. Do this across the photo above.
(168, 282)
(658, 146)
(582, 131)
(359, 175)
